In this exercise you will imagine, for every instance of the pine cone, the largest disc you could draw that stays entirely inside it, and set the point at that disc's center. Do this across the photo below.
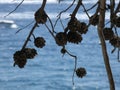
(74, 37)
(94, 19)
(108, 33)
(61, 39)
(74, 24)
(40, 16)
(39, 42)
(80, 72)
(30, 53)
(115, 41)
(20, 59)
(83, 28)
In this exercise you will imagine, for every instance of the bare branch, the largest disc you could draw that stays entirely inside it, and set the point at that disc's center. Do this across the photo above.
(14, 9)
(59, 15)
(51, 25)
(92, 6)
(24, 27)
(85, 10)
(50, 31)
(28, 38)
(103, 44)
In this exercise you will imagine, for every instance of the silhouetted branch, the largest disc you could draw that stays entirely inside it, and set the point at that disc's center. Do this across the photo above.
(103, 44)
(76, 9)
(50, 31)
(75, 57)
(28, 38)
(92, 6)
(24, 27)
(118, 8)
(59, 15)
(14, 9)
(85, 10)
(51, 25)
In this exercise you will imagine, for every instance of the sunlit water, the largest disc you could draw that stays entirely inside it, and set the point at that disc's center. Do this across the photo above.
(49, 70)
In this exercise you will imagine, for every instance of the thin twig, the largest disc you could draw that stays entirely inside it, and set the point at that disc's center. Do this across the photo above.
(75, 57)
(74, 71)
(50, 31)
(31, 33)
(59, 15)
(92, 6)
(76, 9)
(116, 32)
(113, 50)
(14, 9)
(62, 24)
(24, 27)
(66, 9)
(85, 10)
(118, 8)
(51, 24)
(33, 36)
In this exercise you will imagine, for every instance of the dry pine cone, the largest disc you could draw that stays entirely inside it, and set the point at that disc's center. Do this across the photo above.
(40, 16)
(39, 42)
(108, 33)
(74, 37)
(80, 72)
(61, 39)
(20, 59)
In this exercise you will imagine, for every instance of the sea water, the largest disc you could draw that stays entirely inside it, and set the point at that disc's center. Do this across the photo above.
(50, 70)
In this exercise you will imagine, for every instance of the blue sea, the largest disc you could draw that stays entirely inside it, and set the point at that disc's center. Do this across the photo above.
(50, 70)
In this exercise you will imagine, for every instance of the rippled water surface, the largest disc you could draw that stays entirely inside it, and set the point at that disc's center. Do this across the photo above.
(49, 70)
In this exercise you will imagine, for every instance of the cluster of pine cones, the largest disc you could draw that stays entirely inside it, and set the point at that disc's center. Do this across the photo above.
(73, 32)
(20, 57)
(108, 33)
(114, 40)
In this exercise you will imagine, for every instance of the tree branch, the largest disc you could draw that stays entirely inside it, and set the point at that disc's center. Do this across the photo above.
(103, 44)
(28, 38)
(76, 9)
(14, 9)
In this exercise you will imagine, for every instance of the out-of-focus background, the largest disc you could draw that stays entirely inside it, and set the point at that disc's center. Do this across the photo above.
(49, 70)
